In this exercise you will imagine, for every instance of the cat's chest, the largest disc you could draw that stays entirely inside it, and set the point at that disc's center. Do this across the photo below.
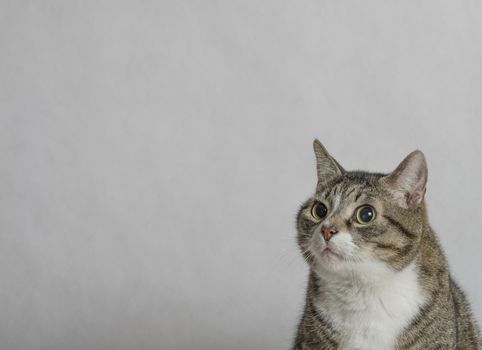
(371, 317)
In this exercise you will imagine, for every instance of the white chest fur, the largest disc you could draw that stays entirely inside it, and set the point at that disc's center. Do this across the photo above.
(370, 307)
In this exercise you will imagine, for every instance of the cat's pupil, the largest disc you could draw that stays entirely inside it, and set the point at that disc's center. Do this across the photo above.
(320, 210)
(365, 214)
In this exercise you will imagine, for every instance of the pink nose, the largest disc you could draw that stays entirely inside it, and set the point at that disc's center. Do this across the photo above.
(328, 232)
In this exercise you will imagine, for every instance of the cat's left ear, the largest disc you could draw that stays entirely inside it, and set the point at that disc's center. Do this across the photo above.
(327, 167)
(408, 181)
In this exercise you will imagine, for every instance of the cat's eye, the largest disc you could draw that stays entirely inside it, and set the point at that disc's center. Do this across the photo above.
(319, 210)
(365, 214)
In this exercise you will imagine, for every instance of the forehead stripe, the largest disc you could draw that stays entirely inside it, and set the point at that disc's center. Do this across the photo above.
(327, 192)
(358, 195)
(351, 191)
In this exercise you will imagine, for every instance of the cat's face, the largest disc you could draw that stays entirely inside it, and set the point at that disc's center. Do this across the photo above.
(355, 218)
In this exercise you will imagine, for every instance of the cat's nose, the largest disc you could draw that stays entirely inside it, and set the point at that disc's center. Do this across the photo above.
(328, 232)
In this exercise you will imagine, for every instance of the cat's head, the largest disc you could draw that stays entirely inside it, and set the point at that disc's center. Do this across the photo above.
(356, 218)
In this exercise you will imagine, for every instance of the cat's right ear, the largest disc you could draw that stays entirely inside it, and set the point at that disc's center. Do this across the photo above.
(408, 181)
(327, 167)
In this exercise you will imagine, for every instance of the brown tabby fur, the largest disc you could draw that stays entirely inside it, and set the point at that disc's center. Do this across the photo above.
(400, 236)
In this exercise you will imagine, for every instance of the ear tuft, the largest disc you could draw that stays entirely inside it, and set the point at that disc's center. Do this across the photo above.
(408, 181)
(327, 167)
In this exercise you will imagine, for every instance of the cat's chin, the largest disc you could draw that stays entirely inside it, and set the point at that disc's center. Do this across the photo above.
(330, 260)
(327, 259)
(330, 255)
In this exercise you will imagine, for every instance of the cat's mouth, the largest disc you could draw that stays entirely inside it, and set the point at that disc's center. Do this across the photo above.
(329, 253)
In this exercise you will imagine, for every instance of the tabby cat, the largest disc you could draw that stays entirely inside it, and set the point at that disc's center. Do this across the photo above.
(378, 277)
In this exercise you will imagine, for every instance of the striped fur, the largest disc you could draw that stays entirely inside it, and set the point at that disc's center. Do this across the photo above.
(357, 286)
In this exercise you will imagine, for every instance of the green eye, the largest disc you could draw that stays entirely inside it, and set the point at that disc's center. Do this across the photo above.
(319, 210)
(365, 214)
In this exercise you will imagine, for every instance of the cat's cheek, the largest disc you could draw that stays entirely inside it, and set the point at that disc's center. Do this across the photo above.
(317, 243)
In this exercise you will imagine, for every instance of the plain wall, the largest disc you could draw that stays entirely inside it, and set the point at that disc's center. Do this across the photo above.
(154, 155)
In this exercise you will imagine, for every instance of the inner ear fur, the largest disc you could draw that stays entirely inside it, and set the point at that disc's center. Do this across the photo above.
(408, 181)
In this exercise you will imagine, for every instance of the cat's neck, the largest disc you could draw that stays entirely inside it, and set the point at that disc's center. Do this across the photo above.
(367, 309)
(367, 274)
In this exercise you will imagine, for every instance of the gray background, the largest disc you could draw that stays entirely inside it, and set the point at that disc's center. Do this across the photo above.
(154, 154)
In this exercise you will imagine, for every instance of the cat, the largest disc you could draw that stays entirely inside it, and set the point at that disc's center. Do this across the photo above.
(378, 277)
